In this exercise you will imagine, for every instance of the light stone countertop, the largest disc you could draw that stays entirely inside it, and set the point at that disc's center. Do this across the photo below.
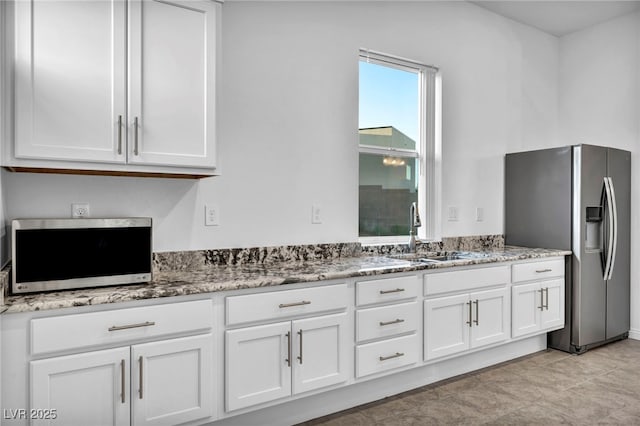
(247, 276)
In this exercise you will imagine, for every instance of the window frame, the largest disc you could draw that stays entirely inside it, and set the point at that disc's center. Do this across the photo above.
(428, 149)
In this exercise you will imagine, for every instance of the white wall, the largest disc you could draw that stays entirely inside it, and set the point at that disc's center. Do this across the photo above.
(289, 119)
(600, 105)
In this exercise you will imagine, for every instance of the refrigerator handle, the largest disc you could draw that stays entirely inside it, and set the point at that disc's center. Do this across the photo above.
(614, 219)
(610, 246)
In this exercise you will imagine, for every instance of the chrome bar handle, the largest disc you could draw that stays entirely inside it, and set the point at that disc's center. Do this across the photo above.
(136, 127)
(477, 312)
(395, 321)
(288, 360)
(397, 290)
(470, 315)
(119, 135)
(396, 355)
(546, 298)
(300, 348)
(541, 307)
(540, 271)
(126, 327)
(122, 378)
(607, 189)
(288, 305)
(141, 376)
(615, 227)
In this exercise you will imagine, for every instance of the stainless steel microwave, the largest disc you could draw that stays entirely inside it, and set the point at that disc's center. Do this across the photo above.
(60, 254)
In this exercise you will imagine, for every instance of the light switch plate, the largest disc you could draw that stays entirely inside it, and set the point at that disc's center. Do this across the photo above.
(316, 214)
(479, 214)
(452, 214)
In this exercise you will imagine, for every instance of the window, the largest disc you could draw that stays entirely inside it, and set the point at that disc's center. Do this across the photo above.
(399, 144)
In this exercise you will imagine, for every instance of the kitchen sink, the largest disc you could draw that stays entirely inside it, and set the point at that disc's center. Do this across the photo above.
(441, 256)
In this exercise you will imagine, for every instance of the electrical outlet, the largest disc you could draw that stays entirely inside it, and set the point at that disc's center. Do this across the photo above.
(316, 214)
(479, 214)
(211, 215)
(80, 210)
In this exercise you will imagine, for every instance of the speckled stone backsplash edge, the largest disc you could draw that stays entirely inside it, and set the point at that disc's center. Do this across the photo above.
(202, 259)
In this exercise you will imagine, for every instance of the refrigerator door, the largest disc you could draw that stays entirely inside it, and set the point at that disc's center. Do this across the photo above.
(589, 236)
(538, 198)
(619, 172)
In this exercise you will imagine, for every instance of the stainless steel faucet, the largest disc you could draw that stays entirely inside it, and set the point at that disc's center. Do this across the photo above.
(414, 222)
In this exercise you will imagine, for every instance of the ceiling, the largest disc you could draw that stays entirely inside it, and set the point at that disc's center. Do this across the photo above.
(557, 17)
(560, 17)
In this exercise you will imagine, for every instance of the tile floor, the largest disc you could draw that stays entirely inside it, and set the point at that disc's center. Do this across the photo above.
(601, 386)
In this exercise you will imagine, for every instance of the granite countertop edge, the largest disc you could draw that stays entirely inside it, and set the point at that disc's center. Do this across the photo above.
(228, 278)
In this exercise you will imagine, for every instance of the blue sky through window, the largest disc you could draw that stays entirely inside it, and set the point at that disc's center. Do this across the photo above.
(388, 97)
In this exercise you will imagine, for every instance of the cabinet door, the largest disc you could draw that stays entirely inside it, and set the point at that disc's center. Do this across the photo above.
(172, 59)
(446, 326)
(320, 352)
(258, 364)
(70, 76)
(172, 380)
(526, 303)
(491, 317)
(85, 389)
(553, 313)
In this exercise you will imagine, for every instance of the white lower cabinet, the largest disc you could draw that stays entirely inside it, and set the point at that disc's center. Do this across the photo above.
(386, 333)
(461, 322)
(537, 307)
(272, 361)
(537, 296)
(159, 383)
(387, 355)
(87, 388)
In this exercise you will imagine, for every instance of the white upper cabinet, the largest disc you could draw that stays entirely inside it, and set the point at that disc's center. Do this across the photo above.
(172, 82)
(116, 85)
(70, 76)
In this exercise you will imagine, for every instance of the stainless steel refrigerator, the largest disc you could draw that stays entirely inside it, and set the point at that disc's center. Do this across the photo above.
(577, 198)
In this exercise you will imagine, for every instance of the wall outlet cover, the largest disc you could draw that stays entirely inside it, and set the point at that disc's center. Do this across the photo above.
(211, 215)
(79, 210)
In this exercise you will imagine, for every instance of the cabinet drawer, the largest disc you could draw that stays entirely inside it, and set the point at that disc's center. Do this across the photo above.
(469, 279)
(76, 331)
(386, 355)
(385, 321)
(385, 290)
(279, 304)
(537, 270)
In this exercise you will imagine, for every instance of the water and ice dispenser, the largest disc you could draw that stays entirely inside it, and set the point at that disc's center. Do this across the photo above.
(593, 234)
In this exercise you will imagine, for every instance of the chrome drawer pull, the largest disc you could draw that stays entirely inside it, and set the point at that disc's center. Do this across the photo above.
(395, 321)
(288, 360)
(141, 377)
(300, 356)
(540, 271)
(122, 377)
(541, 307)
(125, 327)
(396, 355)
(546, 298)
(397, 290)
(288, 305)
(477, 320)
(136, 126)
(119, 135)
